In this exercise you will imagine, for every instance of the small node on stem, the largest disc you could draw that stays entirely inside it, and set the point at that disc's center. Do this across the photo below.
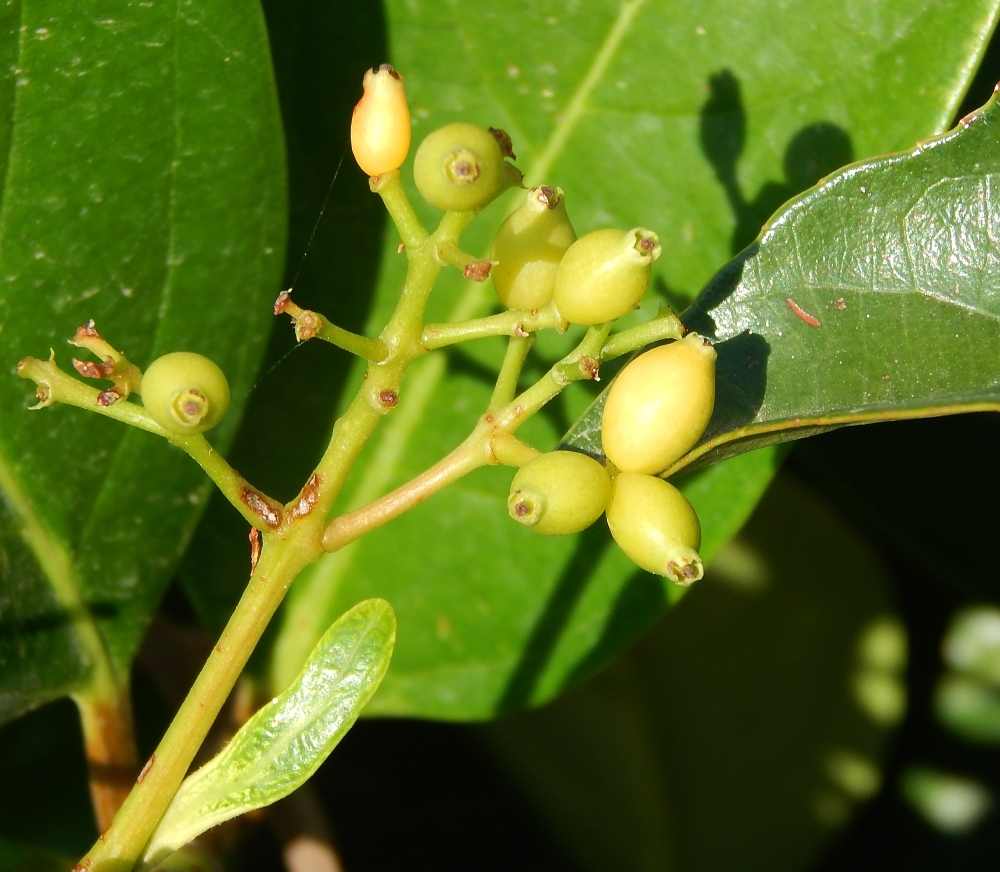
(281, 303)
(477, 271)
(261, 506)
(303, 504)
(114, 366)
(254, 549)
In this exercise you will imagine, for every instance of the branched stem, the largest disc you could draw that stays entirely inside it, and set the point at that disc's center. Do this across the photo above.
(289, 548)
(491, 442)
(309, 325)
(297, 534)
(56, 386)
(389, 187)
(513, 322)
(510, 370)
(666, 325)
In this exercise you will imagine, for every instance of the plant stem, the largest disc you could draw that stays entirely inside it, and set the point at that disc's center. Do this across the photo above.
(256, 507)
(470, 455)
(513, 322)
(282, 559)
(309, 325)
(494, 428)
(389, 187)
(286, 552)
(56, 386)
(666, 325)
(109, 743)
(510, 370)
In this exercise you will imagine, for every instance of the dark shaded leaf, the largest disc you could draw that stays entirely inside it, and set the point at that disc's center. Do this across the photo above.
(144, 188)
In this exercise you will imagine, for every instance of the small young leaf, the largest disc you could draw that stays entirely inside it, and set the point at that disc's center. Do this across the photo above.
(285, 742)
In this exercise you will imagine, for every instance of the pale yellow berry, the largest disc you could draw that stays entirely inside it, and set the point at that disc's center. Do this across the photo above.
(185, 393)
(528, 247)
(559, 493)
(380, 127)
(656, 527)
(604, 274)
(659, 406)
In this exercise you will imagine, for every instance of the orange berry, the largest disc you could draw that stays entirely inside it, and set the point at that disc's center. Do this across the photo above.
(380, 128)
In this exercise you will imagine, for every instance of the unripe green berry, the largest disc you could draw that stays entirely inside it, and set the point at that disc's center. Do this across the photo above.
(458, 167)
(559, 493)
(185, 393)
(656, 527)
(659, 406)
(604, 274)
(528, 247)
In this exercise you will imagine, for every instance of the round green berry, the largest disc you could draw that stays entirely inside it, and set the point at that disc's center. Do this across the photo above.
(528, 247)
(458, 167)
(185, 393)
(604, 274)
(659, 406)
(656, 527)
(559, 493)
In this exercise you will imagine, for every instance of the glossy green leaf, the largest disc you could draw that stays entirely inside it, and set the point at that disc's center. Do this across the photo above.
(745, 730)
(872, 297)
(284, 743)
(143, 187)
(679, 117)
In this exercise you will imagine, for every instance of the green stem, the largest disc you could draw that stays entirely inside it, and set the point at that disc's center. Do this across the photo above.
(56, 386)
(473, 268)
(256, 507)
(510, 371)
(309, 325)
(389, 187)
(666, 325)
(580, 364)
(513, 322)
(286, 552)
(281, 560)
(362, 346)
(491, 442)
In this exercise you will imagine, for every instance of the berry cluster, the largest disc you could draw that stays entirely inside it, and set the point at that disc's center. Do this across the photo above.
(661, 403)
(655, 412)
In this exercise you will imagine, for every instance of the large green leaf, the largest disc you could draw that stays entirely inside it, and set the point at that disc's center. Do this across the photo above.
(285, 742)
(143, 187)
(743, 731)
(676, 116)
(872, 297)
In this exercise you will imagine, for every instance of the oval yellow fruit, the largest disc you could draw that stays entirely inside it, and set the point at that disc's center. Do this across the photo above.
(659, 406)
(559, 493)
(656, 527)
